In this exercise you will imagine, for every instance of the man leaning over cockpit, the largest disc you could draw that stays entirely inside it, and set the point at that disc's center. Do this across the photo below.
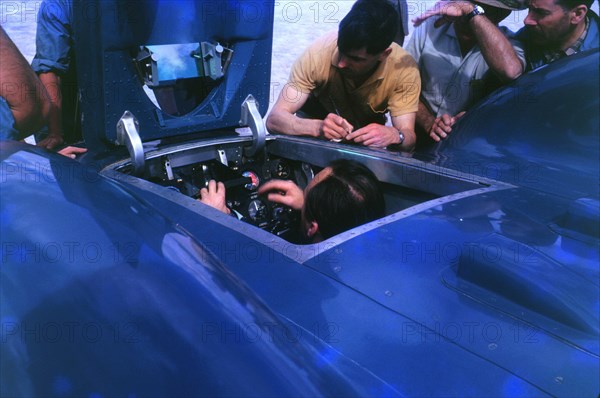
(343, 85)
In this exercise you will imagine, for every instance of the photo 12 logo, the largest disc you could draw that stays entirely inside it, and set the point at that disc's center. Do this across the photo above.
(71, 332)
(490, 333)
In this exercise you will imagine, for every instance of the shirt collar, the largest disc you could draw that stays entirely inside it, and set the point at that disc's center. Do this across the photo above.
(575, 47)
(553, 55)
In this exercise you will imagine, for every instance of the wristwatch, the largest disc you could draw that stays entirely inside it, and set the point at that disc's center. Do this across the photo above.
(401, 135)
(477, 10)
(398, 146)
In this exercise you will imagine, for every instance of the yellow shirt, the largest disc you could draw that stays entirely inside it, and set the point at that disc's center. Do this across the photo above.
(394, 86)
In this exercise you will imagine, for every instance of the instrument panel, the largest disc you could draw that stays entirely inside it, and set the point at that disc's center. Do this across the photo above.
(242, 178)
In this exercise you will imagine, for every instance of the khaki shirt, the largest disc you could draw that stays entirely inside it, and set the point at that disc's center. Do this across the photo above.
(394, 86)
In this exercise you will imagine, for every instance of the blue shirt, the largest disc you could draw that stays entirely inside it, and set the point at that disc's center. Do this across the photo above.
(7, 122)
(54, 39)
(536, 56)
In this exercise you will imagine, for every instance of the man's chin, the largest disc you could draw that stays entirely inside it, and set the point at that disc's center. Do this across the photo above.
(534, 36)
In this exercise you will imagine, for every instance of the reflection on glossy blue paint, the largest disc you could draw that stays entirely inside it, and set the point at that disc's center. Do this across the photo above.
(514, 387)
(327, 357)
(385, 391)
(62, 386)
(5, 215)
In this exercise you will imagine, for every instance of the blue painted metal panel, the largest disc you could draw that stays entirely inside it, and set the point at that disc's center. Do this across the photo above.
(392, 300)
(104, 296)
(109, 33)
(540, 132)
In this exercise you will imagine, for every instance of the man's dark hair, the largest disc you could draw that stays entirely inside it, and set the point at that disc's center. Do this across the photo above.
(348, 197)
(570, 4)
(370, 24)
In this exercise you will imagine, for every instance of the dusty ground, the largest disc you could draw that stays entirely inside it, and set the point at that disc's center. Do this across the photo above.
(297, 24)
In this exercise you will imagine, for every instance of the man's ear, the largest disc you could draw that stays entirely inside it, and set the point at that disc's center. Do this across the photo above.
(312, 228)
(578, 14)
(384, 54)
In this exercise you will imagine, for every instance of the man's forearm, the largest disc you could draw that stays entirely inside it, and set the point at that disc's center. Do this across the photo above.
(52, 83)
(425, 118)
(410, 140)
(285, 123)
(496, 49)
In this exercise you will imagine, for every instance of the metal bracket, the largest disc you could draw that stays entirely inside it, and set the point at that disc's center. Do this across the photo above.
(222, 155)
(251, 118)
(128, 134)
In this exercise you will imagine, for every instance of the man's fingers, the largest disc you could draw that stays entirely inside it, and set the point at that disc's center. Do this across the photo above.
(434, 137)
(274, 185)
(203, 193)
(425, 16)
(212, 186)
(74, 149)
(447, 121)
(285, 192)
(280, 197)
(441, 133)
(358, 133)
(335, 127)
(346, 126)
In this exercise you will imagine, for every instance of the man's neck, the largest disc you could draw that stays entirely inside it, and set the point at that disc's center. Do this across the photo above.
(358, 81)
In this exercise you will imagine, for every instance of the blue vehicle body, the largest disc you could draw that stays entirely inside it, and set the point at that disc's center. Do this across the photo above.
(103, 295)
(482, 279)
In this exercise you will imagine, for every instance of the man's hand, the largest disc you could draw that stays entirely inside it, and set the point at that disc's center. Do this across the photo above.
(72, 151)
(51, 141)
(449, 10)
(284, 192)
(442, 126)
(375, 135)
(336, 128)
(214, 196)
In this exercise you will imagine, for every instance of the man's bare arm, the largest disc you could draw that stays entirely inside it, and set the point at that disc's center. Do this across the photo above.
(283, 120)
(21, 88)
(52, 83)
(497, 51)
(424, 117)
(406, 124)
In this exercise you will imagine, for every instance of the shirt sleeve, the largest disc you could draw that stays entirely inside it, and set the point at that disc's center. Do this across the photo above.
(311, 69)
(53, 37)
(405, 98)
(416, 43)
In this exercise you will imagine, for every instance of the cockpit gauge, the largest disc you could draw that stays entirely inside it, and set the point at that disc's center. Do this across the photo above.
(257, 210)
(281, 170)
(255, 181)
